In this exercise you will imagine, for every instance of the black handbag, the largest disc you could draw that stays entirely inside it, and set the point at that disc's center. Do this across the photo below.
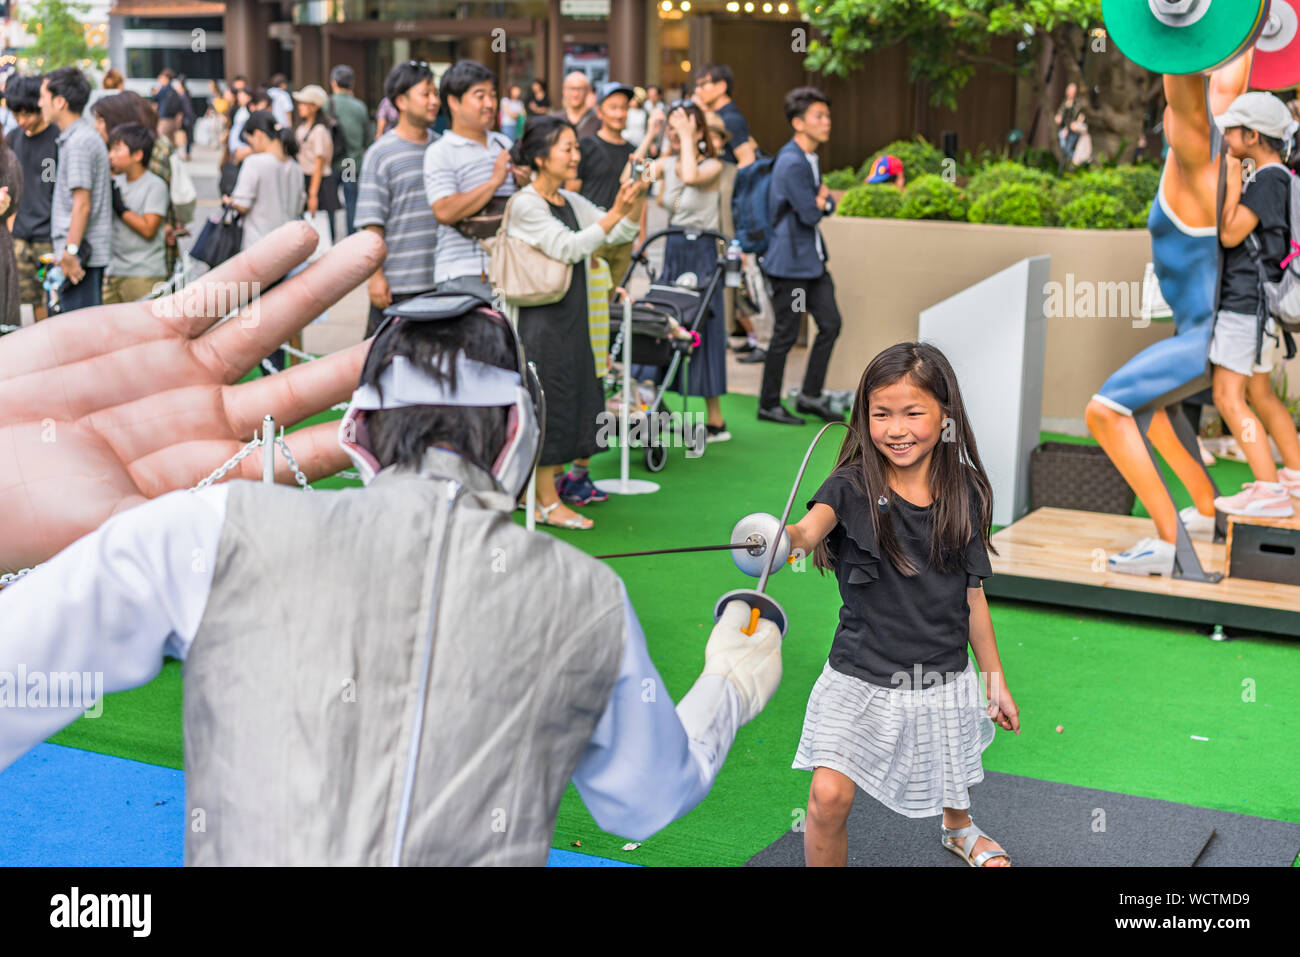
(486, 221)
(221, 238)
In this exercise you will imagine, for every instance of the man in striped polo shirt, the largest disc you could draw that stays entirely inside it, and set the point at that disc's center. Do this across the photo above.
(391, 202)
(463, 171)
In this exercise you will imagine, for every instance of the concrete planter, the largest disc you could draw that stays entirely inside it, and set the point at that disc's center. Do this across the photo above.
(887, 270)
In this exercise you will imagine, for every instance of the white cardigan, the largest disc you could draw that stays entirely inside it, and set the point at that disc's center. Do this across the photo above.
(532, 221)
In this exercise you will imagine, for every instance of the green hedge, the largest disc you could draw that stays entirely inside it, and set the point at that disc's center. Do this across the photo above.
(845, 178)
(997, 175)
(1132, 187)
(933, 197)
(918, 157)
(879, 201)
(1014, 204)
(1009, 193)
(1095, 211)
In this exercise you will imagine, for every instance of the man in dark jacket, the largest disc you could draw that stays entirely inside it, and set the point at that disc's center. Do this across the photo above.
(795, 263)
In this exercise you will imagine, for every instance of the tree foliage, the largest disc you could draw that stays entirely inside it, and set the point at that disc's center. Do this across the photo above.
(947, 39)
(60, 34)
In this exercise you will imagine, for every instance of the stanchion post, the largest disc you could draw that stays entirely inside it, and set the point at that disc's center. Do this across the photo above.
(530, 504)
(624, 485)
(268, 450)
(623, 415)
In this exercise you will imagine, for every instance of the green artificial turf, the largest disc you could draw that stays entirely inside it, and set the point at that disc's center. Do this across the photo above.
(1130, 693)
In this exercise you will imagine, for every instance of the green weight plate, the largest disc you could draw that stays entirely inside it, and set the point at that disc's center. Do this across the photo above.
(1185, 36)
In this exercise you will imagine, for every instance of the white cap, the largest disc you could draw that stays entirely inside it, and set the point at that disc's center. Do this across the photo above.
(311, 94)
(1262, 112)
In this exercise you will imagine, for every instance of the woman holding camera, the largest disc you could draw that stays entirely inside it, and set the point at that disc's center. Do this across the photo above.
(555, 337)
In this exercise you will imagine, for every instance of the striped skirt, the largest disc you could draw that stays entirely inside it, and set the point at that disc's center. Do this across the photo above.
(916, 752)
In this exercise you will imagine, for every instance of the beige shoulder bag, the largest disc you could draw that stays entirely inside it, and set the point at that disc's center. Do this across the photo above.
(525, 275)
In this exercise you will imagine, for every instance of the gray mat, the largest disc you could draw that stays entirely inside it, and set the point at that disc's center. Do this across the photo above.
(1042, 823)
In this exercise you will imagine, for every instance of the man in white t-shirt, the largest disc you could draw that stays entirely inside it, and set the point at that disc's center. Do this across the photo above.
(463, 172)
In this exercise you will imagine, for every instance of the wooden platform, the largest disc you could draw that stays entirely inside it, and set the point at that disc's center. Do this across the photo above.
(1058, 556)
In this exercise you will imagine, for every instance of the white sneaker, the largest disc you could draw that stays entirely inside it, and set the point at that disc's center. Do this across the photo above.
(1200, 527)
(1151, 556)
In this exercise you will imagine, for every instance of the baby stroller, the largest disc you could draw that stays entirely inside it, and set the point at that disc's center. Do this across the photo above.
(665, 332)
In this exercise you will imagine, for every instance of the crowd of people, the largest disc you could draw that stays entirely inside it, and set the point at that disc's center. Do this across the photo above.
(94, 202)
(433, 177)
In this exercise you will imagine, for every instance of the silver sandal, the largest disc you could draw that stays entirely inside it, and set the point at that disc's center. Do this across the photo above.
(969, 836)
(579, 522)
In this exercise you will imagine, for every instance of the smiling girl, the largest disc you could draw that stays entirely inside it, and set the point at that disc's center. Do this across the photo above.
(903, 522)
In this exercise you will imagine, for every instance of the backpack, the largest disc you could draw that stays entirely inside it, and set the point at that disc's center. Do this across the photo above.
(336, 134)
(1280, 299)
(749, 208)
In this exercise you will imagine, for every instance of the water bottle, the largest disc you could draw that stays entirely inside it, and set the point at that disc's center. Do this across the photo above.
(733, 264)
(53, 286)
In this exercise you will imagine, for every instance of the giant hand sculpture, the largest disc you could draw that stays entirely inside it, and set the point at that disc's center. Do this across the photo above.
(106, 407)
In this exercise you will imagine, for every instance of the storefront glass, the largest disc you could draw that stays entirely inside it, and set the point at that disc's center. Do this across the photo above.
(339, 11)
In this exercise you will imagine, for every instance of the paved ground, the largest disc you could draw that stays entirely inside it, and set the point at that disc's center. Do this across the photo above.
(346, 321)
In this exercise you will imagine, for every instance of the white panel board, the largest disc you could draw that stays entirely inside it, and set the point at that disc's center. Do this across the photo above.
(995, 335)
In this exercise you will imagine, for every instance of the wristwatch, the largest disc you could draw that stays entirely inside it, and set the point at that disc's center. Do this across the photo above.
(71, 248)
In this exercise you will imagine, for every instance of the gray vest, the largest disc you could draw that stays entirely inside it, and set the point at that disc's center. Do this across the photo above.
(396, 674)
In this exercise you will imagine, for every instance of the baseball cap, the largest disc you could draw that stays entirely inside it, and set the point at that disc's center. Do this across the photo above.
(885, 169)
(609, 89)
(1262, 112)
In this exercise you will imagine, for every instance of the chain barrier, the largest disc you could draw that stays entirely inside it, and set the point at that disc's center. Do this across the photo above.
(10, 577)
(298, 353)
(299, 477)
(230, 463)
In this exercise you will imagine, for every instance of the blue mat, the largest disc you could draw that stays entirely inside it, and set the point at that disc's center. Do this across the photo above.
(62, 807)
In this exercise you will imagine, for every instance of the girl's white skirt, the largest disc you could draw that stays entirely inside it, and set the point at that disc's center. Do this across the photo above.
(915, 752)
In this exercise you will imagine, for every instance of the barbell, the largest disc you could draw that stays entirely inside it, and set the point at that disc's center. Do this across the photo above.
(1185, 36)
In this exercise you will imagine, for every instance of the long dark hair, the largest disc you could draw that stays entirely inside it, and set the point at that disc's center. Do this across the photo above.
(704, 145)
(954, 463)
(264, 121)
(541, 133)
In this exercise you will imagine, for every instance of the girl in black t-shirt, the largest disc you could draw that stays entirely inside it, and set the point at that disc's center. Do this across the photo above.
(1255, 229)
(903, 522)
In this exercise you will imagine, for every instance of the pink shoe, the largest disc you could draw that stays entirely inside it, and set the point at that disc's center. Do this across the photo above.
(1290, 480)
(1259, 500)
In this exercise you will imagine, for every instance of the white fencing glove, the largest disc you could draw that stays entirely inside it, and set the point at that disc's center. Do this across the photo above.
(752, 663)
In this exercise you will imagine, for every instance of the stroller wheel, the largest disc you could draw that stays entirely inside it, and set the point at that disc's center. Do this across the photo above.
(656, 457)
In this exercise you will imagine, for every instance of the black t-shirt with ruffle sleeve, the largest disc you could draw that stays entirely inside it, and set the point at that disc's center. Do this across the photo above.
(890, 623)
